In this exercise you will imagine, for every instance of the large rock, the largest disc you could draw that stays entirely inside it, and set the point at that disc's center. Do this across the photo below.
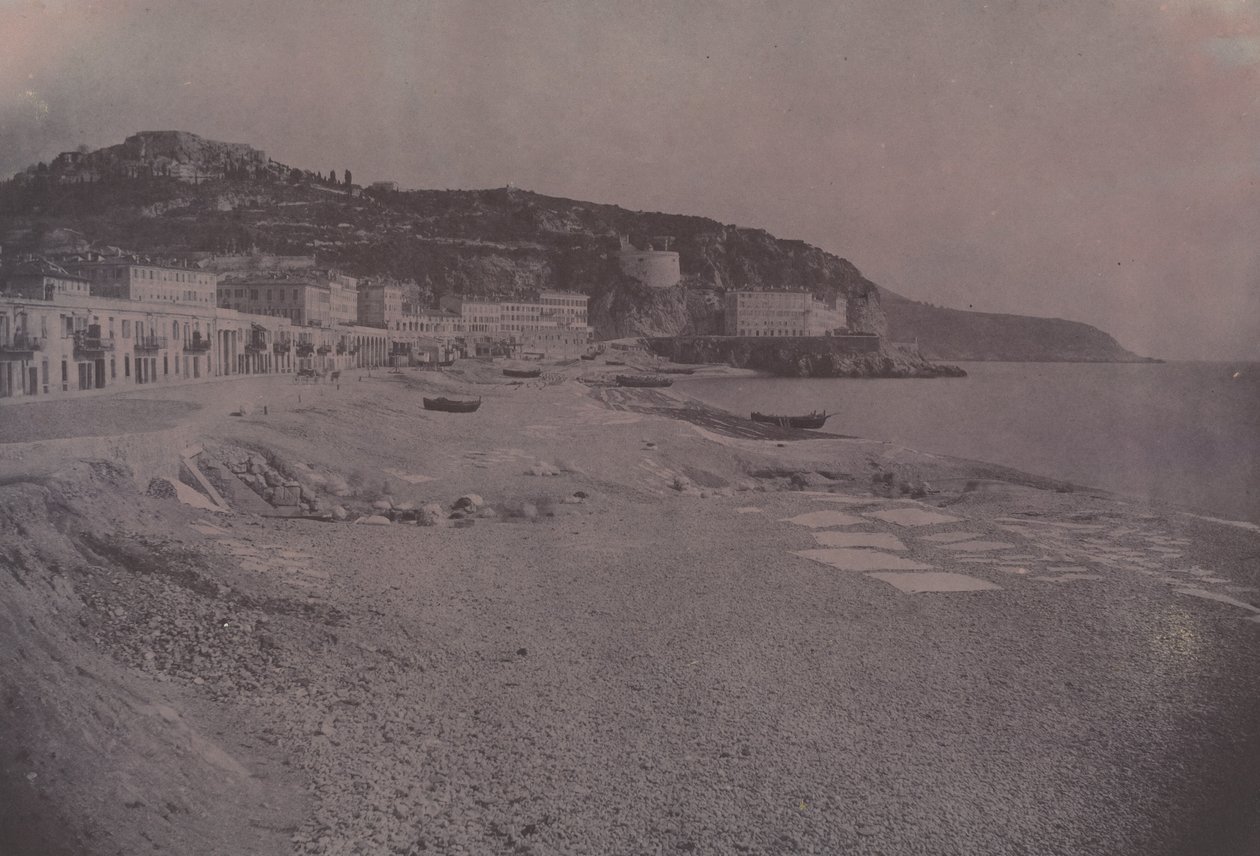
(470, 501)
(431, 514)
(374, 520)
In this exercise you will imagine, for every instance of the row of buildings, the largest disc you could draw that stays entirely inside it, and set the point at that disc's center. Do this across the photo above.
(93, 322)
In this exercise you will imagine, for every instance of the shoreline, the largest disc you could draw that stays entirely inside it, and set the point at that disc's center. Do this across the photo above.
(651, 590)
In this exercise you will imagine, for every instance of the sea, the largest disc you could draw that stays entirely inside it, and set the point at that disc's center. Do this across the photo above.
(1183, 434)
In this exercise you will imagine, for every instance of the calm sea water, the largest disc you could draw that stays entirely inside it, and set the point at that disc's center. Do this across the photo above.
(1185, 434)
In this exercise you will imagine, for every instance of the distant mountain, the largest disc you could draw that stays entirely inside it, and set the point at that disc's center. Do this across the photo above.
(175, 193)
(956, 334)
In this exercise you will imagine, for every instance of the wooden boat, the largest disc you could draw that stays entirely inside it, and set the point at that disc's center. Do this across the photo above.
(445, 363)
(677, 371)
(614, 362)
(812, 420)
(523, 372)
(452, 405)
(588, 356)
(643, 380)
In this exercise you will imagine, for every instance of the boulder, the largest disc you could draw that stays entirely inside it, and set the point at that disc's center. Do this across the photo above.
(374, 520)
(339, 512)
(470, 500)
(382, 505)
(431, 514)
(257, 464)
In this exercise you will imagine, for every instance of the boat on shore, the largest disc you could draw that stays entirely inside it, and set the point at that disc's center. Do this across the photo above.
(446, 363)
(683, 371)
(811, 420)
(588, 356)
(452, 405)
(643, 381)
(522, 372)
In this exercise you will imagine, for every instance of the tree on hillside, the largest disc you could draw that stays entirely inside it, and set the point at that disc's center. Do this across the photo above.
(348, 182)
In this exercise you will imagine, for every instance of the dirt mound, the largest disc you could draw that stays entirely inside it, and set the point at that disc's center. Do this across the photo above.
(103, 751)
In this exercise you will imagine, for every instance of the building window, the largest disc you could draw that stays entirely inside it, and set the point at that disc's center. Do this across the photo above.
(126, 365)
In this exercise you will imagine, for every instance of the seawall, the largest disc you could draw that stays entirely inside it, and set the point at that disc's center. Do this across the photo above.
(802, 356)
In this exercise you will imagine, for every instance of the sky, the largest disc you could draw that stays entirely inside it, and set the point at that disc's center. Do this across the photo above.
(1095, 160)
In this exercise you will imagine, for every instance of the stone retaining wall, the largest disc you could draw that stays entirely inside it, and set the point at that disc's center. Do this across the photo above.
(148, 455)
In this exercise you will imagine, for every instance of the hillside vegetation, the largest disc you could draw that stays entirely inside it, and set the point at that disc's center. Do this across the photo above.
(501, 242)
(954, 334)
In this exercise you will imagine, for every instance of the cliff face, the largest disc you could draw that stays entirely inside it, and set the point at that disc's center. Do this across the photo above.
(496, 243)
(955, 334)
(813, 356)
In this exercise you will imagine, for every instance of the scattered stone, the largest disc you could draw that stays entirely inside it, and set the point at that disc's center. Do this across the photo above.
(382, 505)
(374, 520)
(581, 494)
(161, 489)
(457, 514)
(487, 512)
(431, 514)
(470, 500)
(682, 483)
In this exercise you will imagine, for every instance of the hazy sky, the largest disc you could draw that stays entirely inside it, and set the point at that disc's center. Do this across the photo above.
(1090, 160)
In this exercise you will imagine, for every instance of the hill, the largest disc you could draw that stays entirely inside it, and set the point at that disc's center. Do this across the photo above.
(956, 334)
(174, 193)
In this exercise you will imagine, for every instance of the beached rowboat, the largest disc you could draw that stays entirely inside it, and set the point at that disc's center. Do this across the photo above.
(643, 380)
(452, 405)
(813, 420)
(523, 372)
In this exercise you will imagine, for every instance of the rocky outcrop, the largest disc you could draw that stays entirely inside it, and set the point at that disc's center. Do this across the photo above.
(813, 356)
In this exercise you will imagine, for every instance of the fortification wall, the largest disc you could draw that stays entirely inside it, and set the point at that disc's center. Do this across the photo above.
(801, 356)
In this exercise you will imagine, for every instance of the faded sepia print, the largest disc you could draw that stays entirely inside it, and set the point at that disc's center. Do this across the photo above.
(557, 427)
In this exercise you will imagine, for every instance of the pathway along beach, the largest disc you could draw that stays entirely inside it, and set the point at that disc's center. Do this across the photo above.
(656, 628)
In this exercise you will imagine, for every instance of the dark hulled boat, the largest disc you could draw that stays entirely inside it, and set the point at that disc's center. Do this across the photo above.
(522, 372)
(812, 420)
(452, 405)
(643, 380)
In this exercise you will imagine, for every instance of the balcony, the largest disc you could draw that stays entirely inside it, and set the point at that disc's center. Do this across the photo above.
(282, 346)
(90, 344)
(150, 344)
(256, 345)
(21, 346)
(196, 345)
